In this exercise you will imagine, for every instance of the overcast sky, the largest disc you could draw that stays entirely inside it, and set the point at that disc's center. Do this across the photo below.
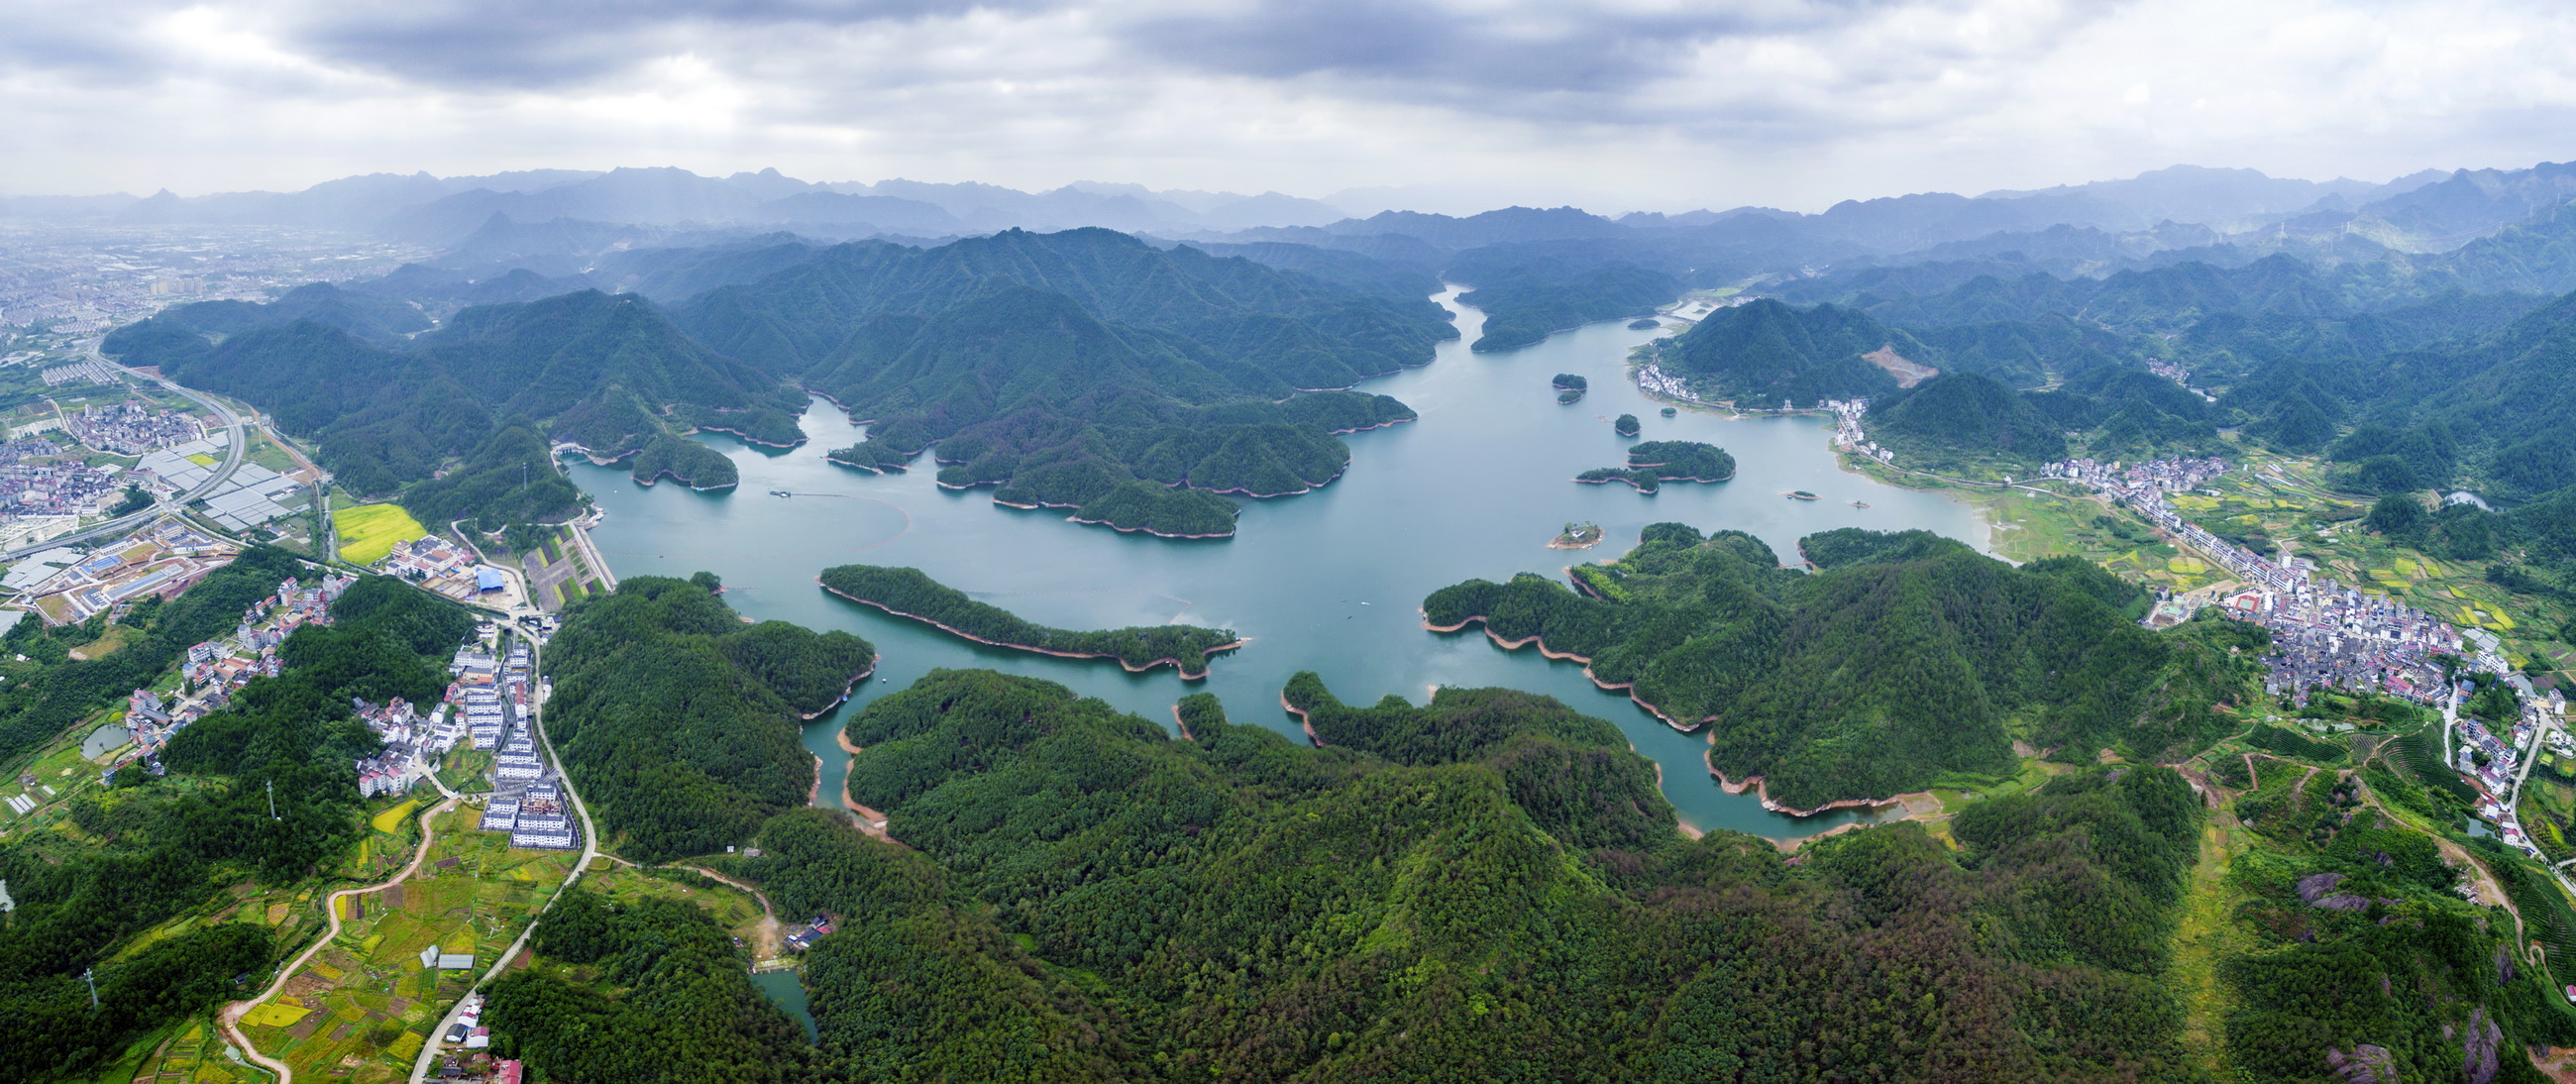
(1613, 104)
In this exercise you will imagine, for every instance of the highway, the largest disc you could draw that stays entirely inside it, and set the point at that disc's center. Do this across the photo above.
(233, 454)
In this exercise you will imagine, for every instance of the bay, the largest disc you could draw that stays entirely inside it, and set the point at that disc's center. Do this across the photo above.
(1329, 581)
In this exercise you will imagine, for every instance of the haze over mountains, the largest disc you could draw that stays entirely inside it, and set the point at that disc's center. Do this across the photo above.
(2430, 209)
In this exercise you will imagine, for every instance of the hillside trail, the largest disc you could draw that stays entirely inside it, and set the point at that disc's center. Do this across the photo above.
(2458, 856)
(230, 1018)
(772, 933)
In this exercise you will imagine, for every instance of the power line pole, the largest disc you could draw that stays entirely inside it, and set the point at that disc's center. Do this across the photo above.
(89, 976)
(272, 799)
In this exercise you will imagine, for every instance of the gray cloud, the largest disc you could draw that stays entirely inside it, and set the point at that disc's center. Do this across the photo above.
(553, 43)
(1657, 103)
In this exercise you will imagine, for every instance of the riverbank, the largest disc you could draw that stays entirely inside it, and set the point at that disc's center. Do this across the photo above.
(846, 688)
(1171, 661)
(1562, 656)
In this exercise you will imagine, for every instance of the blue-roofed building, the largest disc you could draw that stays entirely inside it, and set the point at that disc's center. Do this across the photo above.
(488, 579)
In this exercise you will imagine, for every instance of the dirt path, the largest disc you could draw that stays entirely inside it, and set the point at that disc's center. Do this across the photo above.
(230, 1018)
(772, 933)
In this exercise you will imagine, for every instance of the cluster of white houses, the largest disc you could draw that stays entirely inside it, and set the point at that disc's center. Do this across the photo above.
(527, 800)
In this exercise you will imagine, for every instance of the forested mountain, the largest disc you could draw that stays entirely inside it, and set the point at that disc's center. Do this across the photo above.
(363, 316)
(150, 849)
(679, 722)
(1904, 661)
(1765, 354)
(1486, 887)
(1085, 370)
(1959, 419)
(608, 373)
(1525, 300)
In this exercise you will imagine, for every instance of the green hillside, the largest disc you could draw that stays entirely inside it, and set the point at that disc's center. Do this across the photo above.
(608, 373)
(679, 722)
(1906, 661)
(907, 592)
(1083, 370)
(1961, 420)
(1767, 354)
(1486, 887)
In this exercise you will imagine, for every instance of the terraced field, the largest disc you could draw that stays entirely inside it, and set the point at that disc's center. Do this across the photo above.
(361, 1009)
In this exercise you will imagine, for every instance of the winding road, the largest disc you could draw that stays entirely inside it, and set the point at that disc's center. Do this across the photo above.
(230, 1018)
(420, 1068)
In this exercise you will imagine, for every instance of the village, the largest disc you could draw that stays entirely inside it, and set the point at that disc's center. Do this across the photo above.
(2328, 635)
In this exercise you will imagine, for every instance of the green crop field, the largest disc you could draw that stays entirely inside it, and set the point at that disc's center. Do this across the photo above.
(364, 1004)
(368, 531)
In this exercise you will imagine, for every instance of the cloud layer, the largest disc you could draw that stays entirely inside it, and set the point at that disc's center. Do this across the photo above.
(1618, 104)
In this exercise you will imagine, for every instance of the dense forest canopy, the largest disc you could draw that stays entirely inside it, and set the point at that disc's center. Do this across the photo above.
(608, 373)
(1908, 659)
(908, 592)
(1487, 887)
(1083, 370)
(679, 722)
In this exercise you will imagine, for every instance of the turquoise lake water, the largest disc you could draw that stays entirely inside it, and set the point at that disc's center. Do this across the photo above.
(1329, 581)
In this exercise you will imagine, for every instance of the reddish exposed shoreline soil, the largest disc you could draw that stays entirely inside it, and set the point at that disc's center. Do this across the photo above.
(1165, 660)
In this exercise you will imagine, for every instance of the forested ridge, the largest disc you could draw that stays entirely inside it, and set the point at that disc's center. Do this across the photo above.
(909, 592)
(1083, 370)
(1767, 354)
(679, 722)
(1487, 887)
(152, 850)
(609, 373)
(1907, 659)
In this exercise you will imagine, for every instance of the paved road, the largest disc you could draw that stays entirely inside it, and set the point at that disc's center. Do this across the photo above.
(589, 850)
(232, 462)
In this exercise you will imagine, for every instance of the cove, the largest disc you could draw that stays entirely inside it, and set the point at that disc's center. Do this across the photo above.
(1328, 581)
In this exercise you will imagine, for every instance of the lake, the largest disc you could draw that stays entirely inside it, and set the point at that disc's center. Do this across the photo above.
(1329, 581)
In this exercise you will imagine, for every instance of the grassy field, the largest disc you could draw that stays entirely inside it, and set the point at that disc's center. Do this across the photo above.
(266, 453)
(362, 1007)
(368, 531)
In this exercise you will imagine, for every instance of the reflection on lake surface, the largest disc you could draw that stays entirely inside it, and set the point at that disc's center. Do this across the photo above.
(1330, 581)
(104, 740)
(783, 988)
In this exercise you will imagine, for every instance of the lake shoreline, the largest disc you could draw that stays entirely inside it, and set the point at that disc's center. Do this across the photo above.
(1174, 663)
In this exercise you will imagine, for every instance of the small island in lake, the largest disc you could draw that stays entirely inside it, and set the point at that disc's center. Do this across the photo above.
(1655, 462)
(1643, 322)
(1799, 495)
(1570, 382)
(908, 592)
(1570, 395)
(1669, 412)
(1626, 426)
(1577, 536)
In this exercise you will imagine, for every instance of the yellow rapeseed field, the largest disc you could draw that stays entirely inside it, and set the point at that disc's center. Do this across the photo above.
(368, 531)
